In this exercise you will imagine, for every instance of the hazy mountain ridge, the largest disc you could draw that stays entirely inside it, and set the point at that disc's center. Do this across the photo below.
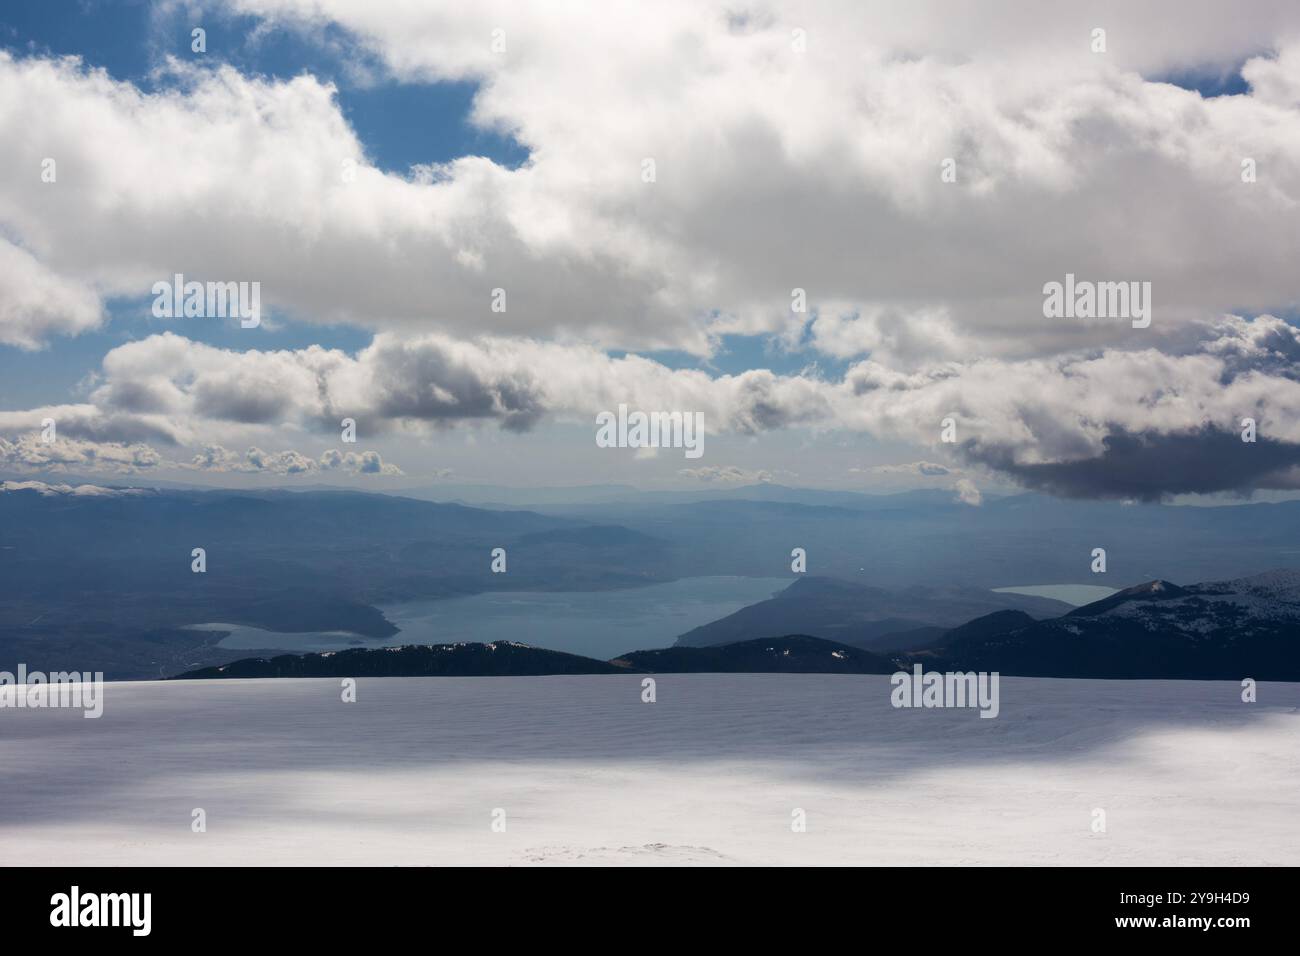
(1223, 630)
(1157, 630)
(105, 581)
(915, 538)
(861, 615)
(101, 578)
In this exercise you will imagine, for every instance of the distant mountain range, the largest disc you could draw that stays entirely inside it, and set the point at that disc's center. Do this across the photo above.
(1224, 630)
(497, 659)
(793, 654)
(863, 616)
(927, 538)
(100, 579)
(1245, 627)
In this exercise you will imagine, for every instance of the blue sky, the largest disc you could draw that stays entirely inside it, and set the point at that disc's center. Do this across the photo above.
(400, 124)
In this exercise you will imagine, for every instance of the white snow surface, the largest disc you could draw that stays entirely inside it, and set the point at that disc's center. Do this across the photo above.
(1241, 605)
(709, 774)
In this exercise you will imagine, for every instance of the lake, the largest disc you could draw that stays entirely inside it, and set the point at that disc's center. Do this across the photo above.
(600, 624)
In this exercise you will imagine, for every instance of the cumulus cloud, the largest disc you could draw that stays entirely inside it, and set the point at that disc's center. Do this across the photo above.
(29, 453)
(726, 474)
(363, 463)
(773, 162)
(1139, 423)
(106, 423)
(265, 176)
(35, 303)
(1151, 465)
(916, 469)
(1122, 423)
(439, 41)
(907, 337)
(257, 461)
(776, 168)
(967, 493)
(426, 381)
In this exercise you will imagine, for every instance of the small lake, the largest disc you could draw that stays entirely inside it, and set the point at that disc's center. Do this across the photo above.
(1076, 594)
(600, 624)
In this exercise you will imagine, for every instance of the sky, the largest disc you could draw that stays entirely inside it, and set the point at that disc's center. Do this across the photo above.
(828, 229)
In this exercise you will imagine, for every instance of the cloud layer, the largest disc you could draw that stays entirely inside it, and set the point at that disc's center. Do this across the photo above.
(793, 147)
(777, 166)
(1111, 423)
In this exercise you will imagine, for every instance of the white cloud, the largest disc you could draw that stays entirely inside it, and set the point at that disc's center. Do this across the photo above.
(727, 474)
(1028, 418)
(1275, 80)
(29, 453)
(915, 469)
(819, 169)
(776, 169)
(1012, 415)
(257, 461)
(36, 304)
(362, 463)
(967, 493)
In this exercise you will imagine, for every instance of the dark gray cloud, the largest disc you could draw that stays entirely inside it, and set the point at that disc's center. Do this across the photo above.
(229, 402)
(428, 383)
(1152, 466)
(114, 428)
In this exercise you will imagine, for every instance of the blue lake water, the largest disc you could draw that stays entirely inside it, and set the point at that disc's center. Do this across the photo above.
(601, 624)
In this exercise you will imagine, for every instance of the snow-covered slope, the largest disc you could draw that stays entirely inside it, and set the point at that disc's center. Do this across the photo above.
(80, 491)
(1259, 600)
(1247, 627)
(1231, 610)
(711, 773)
